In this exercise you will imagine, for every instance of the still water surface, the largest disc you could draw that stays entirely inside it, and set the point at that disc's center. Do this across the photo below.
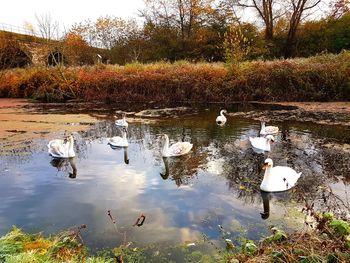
(182, 198)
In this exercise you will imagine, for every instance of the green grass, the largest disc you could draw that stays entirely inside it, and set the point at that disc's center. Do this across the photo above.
(328, 242)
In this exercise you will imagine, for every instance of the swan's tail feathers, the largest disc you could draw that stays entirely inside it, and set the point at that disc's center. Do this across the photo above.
(299, 174)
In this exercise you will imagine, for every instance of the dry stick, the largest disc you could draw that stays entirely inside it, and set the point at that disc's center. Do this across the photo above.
(78, 233)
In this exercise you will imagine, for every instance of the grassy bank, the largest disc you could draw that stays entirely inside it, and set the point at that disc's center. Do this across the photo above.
(320, 78)
(329, 241)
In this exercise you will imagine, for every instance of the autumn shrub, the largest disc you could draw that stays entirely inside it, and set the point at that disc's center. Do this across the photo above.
(321, 78)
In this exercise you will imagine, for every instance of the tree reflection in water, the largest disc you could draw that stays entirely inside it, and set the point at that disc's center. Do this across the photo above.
(300, 146)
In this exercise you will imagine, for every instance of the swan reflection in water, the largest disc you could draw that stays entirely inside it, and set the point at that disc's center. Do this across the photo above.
(165, 175)
(267, 196)
(266, 204)
(181, 169)
(67, 164)
(126, 157)
(176, 176)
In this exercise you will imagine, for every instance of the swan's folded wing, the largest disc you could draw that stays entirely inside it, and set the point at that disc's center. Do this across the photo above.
(181, 147)
(57, 149)
(271, 129)
(112, 139)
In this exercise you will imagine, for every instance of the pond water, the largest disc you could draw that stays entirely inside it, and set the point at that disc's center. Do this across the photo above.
(213, 192)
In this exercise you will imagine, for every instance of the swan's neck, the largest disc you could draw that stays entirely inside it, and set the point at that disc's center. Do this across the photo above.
(165, 150)
(222, 113)
(71, 149)
(268, 146)
(124, 135)
(262, 127)
(267, 175)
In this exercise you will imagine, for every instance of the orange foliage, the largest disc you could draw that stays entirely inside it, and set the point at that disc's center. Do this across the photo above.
(322, 78)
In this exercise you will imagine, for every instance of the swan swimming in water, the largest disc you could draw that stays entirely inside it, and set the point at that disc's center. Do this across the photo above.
(118, 141)
(262, 143)
(268, 129)
(221, 119)
(62, 148)
(278, 178)
(122, 122)
(176, 149)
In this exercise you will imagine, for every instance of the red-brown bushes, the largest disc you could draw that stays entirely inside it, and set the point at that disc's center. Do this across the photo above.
(321, 78)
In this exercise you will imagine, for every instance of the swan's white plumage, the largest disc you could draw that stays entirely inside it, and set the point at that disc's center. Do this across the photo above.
(268, 129)
(279, 178)
(176, 149)
(118, 141)
(122, 122)
(262, 143)
(221, 119)
(61, 148)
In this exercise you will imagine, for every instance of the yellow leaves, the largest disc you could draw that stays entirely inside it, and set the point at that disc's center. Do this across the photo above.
(40, 246)
(236, 44)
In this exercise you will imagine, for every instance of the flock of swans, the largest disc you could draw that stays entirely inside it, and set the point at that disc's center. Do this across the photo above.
(276, 179)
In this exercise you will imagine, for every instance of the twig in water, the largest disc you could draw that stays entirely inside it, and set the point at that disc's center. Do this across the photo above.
(78, 233)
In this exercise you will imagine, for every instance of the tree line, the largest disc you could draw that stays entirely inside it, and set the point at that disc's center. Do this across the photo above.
(211, 30)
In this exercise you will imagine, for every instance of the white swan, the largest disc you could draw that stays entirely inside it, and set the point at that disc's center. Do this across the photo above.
(122, 122)
(221, 119)
(268, 129)
(262, 143)
(118, 141)
(279, 178)
(177, 149)
(62, 148)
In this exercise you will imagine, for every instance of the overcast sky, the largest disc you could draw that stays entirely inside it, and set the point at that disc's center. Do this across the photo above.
(66, 12)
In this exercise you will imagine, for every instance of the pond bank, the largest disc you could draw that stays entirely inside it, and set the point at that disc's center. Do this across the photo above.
(319, 78)
(328, 240)
(329, 113)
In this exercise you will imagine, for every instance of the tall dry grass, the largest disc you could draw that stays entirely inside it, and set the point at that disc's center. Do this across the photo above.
(320, 78)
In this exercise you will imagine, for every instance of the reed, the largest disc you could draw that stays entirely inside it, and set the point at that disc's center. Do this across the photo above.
(319, 78)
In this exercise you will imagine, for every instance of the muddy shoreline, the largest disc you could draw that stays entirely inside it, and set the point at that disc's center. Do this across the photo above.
(327, 113)
(330, 113)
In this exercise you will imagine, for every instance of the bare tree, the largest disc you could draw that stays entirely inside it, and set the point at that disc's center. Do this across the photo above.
(48, 28)
(271, 10)
(268, 10)
(339, 8)
(299, 8)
